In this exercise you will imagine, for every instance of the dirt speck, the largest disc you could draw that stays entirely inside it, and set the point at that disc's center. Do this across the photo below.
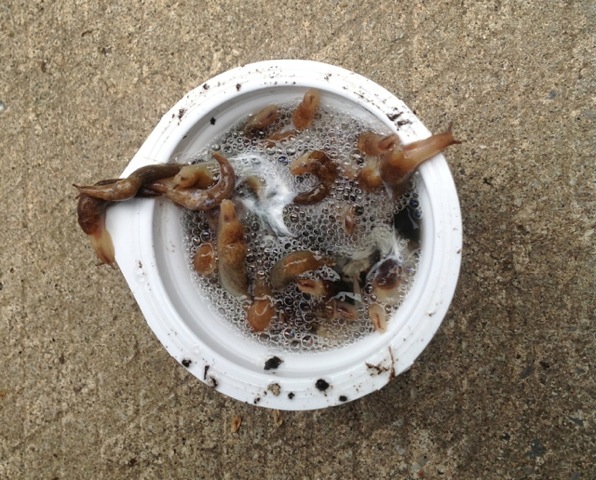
(186, 362)
(272, 363)
(376, 369)
(321, 385)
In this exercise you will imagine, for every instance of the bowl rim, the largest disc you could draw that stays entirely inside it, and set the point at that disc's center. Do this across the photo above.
(302, 381)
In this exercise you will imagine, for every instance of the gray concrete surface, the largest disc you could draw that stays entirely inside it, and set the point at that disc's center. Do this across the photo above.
(506, 388)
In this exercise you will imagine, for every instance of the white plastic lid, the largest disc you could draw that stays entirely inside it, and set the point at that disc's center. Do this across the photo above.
(150, 251)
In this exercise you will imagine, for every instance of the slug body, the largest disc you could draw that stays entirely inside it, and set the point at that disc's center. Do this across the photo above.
(91, 213)
(205, 260)
(316, 287)
(373, 144)
(231, 248)
(201, 199)
(386, 278)
(296, 263)
(369, 177)
(348, 219)
(336, 309)
(397, 166)
(320, 165)
(261, 311)
(305, 112)
(196, 175)
(378, 317)
(126, 188)
(302, 117)
(261, 121)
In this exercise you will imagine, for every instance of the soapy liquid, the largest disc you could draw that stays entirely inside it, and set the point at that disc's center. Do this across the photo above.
(274, 227)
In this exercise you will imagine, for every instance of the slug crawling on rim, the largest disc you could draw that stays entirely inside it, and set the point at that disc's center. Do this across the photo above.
(91, 216)
(391, 163)
(126, 188)
(398, 164)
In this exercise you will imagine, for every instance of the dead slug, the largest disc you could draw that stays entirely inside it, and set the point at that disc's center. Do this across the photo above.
(296, 263)
(321, 166)
(231, 249)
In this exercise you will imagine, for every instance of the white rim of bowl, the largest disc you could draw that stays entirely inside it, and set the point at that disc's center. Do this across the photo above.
(150, 257)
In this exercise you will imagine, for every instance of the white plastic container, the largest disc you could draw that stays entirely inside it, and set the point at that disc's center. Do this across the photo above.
(149, 243)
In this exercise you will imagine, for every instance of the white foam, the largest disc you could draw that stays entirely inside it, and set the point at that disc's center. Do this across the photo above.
(275, 227)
